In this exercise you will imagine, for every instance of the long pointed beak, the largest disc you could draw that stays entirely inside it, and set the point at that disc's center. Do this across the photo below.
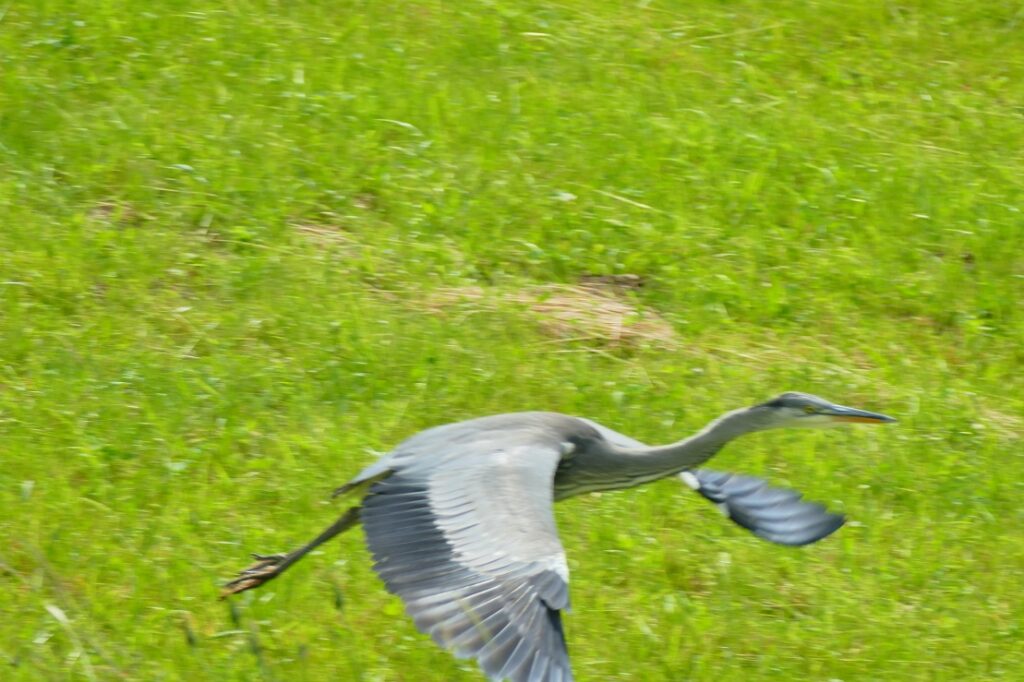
(841, 413)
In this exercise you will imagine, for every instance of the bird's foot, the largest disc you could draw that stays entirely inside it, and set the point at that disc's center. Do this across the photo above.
(266, 568)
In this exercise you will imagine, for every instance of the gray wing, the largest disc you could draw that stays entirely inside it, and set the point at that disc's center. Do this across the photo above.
(464, 532)
(774, 514)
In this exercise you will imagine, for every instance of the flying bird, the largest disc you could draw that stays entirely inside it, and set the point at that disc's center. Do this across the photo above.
(460, 523)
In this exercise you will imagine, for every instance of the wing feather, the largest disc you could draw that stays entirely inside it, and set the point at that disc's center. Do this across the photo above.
(774, 514)
(470, 545)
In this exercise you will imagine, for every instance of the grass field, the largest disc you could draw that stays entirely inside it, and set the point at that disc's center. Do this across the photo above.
(244, 249)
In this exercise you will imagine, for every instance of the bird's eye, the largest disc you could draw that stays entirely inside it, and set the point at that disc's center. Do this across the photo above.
(810, 409)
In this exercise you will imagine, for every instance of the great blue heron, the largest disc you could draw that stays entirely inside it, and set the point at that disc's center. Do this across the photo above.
(460, 523)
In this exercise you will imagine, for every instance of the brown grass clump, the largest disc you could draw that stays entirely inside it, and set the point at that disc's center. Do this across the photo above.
(589, 312)
(1006, 426)
(324, 235)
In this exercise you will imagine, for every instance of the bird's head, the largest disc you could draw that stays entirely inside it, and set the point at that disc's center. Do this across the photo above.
(809, 411)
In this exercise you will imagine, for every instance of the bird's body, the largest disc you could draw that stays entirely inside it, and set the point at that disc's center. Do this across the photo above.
(459, 520)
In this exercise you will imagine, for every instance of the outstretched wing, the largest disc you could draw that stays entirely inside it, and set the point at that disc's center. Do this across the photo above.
(464, 532)
(774, 514)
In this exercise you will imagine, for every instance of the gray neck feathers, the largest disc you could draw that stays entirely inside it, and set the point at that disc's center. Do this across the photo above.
(619, 467)
(613, 468)
(698, 448)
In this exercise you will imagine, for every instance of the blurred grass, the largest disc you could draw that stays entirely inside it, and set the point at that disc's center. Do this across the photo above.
(223, 227)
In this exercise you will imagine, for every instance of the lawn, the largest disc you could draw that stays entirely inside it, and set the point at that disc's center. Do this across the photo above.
(247, 246)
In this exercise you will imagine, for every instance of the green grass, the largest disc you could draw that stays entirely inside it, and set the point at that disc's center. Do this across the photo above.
(222, 235)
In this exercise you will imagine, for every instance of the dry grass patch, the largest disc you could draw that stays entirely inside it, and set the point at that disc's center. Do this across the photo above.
(1006, 426)
(591, 312)
(323, 235)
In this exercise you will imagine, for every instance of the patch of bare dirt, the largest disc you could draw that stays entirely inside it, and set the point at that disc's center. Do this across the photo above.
(613, 282)
(591, 311)
(324, 235)
(1007, 426)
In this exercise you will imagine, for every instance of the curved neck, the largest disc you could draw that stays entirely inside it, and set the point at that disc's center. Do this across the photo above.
(695, 450)
(615, 467)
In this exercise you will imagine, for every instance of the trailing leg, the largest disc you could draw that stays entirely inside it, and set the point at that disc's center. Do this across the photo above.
(269, 566)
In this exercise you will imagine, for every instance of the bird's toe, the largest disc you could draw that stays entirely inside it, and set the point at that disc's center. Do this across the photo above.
(267, 567)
